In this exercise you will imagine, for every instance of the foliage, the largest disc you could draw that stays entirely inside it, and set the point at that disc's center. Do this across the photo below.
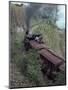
(51, 36)
(28, 62)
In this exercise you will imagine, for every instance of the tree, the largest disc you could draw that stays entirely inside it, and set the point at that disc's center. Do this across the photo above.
(49, 12)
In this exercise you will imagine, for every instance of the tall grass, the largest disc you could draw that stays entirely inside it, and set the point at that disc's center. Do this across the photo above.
(51, 37)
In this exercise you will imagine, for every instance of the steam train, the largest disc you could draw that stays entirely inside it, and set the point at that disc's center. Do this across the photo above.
(51, 63)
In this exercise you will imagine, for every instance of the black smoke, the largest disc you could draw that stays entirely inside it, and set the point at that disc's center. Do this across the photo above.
(30, 12)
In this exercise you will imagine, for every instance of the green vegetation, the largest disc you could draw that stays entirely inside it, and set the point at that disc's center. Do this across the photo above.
(53, 38)
(28, 63)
